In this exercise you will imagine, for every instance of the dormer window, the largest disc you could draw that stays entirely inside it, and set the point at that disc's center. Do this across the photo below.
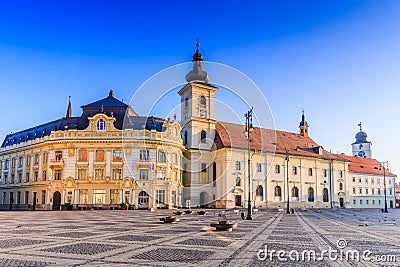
(101, 125)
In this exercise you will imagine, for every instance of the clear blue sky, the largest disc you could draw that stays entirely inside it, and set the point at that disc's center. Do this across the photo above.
(339, 60)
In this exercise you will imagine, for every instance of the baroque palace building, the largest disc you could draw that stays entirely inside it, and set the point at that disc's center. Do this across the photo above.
(111, 155)
(107, 156)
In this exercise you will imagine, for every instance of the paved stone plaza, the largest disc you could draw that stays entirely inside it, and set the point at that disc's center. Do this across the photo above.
(138, 238)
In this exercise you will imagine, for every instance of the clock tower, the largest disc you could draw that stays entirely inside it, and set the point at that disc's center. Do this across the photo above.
(198, 132)
(361, 147)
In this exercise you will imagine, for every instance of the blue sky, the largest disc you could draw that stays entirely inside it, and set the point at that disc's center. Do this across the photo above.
(339, 60)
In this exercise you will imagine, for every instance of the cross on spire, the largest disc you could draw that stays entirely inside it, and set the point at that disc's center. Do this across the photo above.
(360, 126)
(197, 45)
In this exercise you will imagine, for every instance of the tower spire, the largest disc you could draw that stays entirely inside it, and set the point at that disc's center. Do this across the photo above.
(303, 125)
(69, 109)
(197, 73)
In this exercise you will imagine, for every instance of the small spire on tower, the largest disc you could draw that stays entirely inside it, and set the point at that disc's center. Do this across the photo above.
(69, 109)
(303, 125)
(360, 126)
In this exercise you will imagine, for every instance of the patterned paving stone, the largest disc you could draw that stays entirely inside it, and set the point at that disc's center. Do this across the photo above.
(72, 234)
(205, 242)
(10, 243)
(23, 263)
(174, 255)
(83, 248)
(135, 238)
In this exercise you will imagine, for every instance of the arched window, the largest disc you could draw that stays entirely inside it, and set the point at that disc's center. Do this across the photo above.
(295, 192)
(325, 196)
(186, 101)
(203, 136)
(340, 186)
(260, 192)
(278, 191)
(143, 200)
(310, 194)
(203, 101)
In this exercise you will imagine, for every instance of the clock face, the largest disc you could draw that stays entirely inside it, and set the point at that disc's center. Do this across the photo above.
(361, 154)
(203, 113)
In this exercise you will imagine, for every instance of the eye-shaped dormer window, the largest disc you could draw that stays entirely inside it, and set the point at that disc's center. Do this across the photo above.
(101, 125)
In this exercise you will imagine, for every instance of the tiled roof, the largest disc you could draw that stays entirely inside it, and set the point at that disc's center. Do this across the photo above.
(365, 165)
(233, 136)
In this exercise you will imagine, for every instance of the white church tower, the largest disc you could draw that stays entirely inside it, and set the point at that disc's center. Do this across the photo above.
(198, 132)
(362, 147)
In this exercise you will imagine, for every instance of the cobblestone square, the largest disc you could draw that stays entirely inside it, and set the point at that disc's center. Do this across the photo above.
(138, 238)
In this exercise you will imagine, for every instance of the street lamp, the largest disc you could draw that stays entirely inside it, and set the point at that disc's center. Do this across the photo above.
(384, 182)
(287, 181)
(249, 126)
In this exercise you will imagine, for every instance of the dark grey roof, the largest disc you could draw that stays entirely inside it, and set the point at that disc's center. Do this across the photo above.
(109, 106)
(109, 101)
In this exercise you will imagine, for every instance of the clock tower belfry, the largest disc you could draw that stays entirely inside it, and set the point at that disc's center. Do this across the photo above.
(198, 132)
(362, 147)
(197, 107)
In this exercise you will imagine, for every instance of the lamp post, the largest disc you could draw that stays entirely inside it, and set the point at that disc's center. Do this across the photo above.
(287, 181)
(384, 182)
(249, 125)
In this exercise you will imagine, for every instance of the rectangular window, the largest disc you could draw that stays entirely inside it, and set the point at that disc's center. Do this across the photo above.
(359, 180)
(354, 190)
(144, 174)
(161, 174)
(35, 176)
(366, 180)
(360, 190)
(309, 171)
(373, 191)
(174, 158)
(354, 201)
(117, 155)
(162, 156)
(20, 162)
(12, 178)
(44, 157)
(160, 196)
(83, 155)
(173, 174)
(238, 165)
(366, 190)
(237, 181)
(325, 172)
(372, 181)
(28, 160)
(44, 175)
(360, 201)
(203, 167)
(18, 197)
(144, 155)
(83, 196)
(258, 167)
(390, 191)
(114, 196)
(340, 174)
(373, 202)
(27, 176)
(57, 174)
(354, 179)
(390, 181)
(277, 169)
(99, 174)
(99, 196)
(58, 155)
(43, 196)
(13, 163)
(82, 174)
(379, 201)
(6, 164)
(294, 171)
(20, 177)
(26, 197)
(379, 191)
(378, 181)
(36, 159)
(100, 155)
(367, 201)
(117, 174)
